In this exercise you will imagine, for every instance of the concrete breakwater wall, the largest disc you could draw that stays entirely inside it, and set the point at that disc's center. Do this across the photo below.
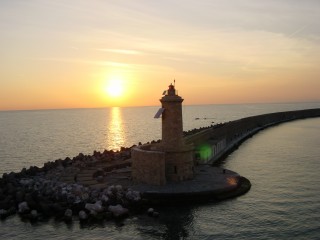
(213, 144)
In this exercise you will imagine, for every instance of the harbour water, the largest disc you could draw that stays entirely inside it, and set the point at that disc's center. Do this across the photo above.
(281, 162)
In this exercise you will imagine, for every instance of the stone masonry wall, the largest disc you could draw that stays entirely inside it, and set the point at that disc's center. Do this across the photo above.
(148, 166)
(172, 132)
(179, 165)
(236, 131)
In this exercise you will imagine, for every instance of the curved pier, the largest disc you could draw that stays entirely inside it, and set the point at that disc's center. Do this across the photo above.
(215, 143)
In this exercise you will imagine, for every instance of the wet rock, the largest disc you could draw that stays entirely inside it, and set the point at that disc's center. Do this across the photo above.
(45, 208)
(68, 215)
(58, 208)
(5, 204)
(26, 182)
(23, 207)
(11, 189)
(104, 198)
(37, 191)
(118, 211)
(155, 214)
(32, 171)
(2, 196)
(94, 208)
(30, 201)
(83, 216)
(100, 179)
(150, 212)
(3, 213)
(133, 195)
(34, 215)
(20, 196)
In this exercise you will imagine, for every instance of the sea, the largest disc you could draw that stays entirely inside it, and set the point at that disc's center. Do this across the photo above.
(282, 163)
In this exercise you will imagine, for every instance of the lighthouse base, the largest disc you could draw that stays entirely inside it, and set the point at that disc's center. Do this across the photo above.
(151, 164)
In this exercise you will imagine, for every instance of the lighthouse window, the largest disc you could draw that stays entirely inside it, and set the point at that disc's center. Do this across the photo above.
(175, 169)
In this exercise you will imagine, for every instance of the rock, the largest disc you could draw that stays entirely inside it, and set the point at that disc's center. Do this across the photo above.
(119, 188)
(118, 211)
(33, 170)
(30, 201)
(20, 196)
(3, 213)
(83, 215)
(11, 188)
(133, 196)
(94, 208)
(155, 214)
(85, 196)
(2, 195)
(45, 208)
(95, 194)
(68, 215)
(150, 212)
(57, 209)
(6, 203)
(23, 207)
(99, 172)
(26, 182)
(104, 198)
(34, 215)
(100, 179)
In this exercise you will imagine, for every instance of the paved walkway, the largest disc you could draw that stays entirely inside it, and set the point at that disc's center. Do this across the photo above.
(207, 180)
(85, 176)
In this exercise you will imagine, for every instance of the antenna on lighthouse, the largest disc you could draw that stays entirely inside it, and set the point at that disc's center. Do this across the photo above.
(174, 82)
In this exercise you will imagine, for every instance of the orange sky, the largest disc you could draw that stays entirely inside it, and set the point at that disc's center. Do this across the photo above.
(62, 54)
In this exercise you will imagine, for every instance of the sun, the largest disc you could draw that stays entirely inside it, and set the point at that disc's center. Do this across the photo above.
(114, 88)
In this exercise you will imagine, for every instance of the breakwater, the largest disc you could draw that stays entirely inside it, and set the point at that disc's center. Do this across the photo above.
(214, 143)
(57, 189)
(53, 190)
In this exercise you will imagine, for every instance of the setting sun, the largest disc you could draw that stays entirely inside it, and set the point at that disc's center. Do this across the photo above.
(114, 88)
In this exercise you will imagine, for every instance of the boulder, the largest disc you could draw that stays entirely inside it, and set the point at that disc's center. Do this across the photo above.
(6, 203)
(30, 201)
(20, 196)
(133, 196)
(34, 215)
(118, 211)
(100, 179)
(23, 207)
(94, 208)
(11, 188)
(150, 212)
(83, 215)
(155, 214)
(104, 198)
(68, 215)
(3, 213)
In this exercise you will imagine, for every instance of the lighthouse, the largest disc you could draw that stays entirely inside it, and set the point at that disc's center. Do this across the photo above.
(171, 160)
(172, 126)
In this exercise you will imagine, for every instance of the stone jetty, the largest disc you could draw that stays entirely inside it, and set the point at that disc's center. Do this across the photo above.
(69, 188)
(99, 186)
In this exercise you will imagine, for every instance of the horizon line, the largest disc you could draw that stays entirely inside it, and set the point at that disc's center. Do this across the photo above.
(106, 107)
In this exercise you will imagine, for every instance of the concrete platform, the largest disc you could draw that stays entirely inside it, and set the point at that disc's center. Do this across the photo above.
(209, 183)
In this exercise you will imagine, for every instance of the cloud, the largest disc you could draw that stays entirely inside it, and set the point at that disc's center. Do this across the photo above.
(120, 51)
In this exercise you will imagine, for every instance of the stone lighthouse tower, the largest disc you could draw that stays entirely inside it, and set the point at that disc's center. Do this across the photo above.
(171, 160)
(172, 127)
(179, 156)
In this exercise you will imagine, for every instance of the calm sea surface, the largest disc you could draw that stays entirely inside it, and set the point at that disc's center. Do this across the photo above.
(281, 162)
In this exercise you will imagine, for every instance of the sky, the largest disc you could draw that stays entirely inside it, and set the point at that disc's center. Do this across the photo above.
(64, 54)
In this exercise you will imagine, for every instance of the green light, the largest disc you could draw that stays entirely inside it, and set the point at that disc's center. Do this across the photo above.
(205, 152)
